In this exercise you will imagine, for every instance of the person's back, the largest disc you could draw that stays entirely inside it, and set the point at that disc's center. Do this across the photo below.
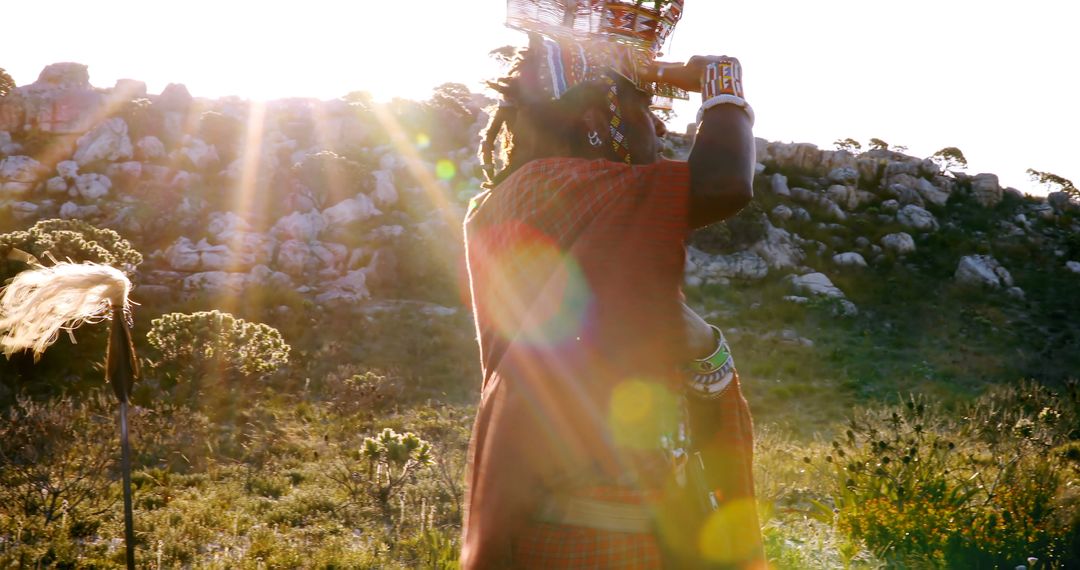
(580, 447)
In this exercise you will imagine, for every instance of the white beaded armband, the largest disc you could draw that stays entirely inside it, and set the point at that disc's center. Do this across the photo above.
(726, 100)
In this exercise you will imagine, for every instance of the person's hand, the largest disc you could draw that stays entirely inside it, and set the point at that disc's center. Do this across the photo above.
(687, 76)
(700, 341)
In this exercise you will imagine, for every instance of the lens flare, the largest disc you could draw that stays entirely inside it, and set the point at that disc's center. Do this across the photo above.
(641, 412)
(445, 170)
(730, 534)
(532, 290)
(422, 141)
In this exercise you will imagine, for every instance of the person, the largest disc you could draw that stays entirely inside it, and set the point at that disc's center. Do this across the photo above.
(595, 373)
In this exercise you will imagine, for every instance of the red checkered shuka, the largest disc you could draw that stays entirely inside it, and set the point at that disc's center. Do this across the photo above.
(575, 269)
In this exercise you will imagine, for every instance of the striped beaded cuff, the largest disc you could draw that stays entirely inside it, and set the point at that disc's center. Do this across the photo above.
(721, 84)
(711, 376)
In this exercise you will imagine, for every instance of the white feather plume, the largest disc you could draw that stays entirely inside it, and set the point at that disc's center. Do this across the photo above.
(40, 302)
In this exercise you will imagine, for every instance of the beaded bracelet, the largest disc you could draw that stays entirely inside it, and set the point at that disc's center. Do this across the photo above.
(721, 84)
(711, 376)
(726, 100)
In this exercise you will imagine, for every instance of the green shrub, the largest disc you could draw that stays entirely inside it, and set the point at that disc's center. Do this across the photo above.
(73, 240)
(216, 344)
(56, 479)
(388, 462)
(975, 489)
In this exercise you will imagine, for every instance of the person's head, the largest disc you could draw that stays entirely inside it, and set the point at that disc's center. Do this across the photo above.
(576, 124)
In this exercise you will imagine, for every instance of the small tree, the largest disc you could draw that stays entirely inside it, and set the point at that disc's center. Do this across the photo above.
(878, 144)
(849, 144)
(950, 158)
(1053, 181)
(392, 460)
(7, 84)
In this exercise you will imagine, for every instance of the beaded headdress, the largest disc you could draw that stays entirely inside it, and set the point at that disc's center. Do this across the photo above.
(585, 38)
(590, 40)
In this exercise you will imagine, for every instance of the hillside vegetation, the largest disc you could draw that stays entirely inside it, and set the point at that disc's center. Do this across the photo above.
(907, 337)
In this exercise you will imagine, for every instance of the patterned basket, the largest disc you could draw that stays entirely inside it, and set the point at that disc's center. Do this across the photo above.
(645, 24)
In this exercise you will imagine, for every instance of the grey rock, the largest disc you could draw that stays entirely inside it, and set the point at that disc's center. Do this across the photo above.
(779, 185)
(915, 217)
(931, 193)
(107, 141)
(781, 213)
(92, 186)
(986, 190)
(742, 265)
(890, 206)
(845, 175)
(849, 259)
(982, 270)
(816, 284)
(1060, 202)
(1073, 266)
(56, 185)
(779, 249)
(900, 243)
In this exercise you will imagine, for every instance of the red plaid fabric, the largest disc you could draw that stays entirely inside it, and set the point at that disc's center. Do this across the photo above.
(575, 269)
(545, 546)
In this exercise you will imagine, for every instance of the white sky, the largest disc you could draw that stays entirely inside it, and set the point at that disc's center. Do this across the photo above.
(1000, 80)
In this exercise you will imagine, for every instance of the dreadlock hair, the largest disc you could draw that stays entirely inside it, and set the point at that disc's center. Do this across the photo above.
(530, 125)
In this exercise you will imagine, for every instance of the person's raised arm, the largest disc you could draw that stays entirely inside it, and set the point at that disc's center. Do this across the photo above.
(722, 159)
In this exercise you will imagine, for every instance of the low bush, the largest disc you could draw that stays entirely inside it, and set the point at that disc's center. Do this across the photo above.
(216, 344)
(980, 488)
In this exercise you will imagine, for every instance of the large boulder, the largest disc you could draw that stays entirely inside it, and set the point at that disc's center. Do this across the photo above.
(311, 260)
(796, 156)
(222, 225)
(846, 175)
(742, 265)
(817, 284)
(108, 141)
(18, 176)
(61, 101)
(931, 193)
(350, 211)
(831, 210)
(778, 185)
(1061, 202)
(199, 155)
(303, 226)
(917, 218)
(384, 194)
(149, 148)
(92, 186)
(64, 74)
(349, 288)
(849, 259)
(982, 270)
(215, 282)
(900, 243)
(986, 190)
(778, 248)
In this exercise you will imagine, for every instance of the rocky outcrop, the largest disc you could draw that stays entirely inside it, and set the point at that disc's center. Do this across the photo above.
(986, 190)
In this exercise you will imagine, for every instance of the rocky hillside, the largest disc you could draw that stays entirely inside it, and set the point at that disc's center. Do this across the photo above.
(340, 203)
